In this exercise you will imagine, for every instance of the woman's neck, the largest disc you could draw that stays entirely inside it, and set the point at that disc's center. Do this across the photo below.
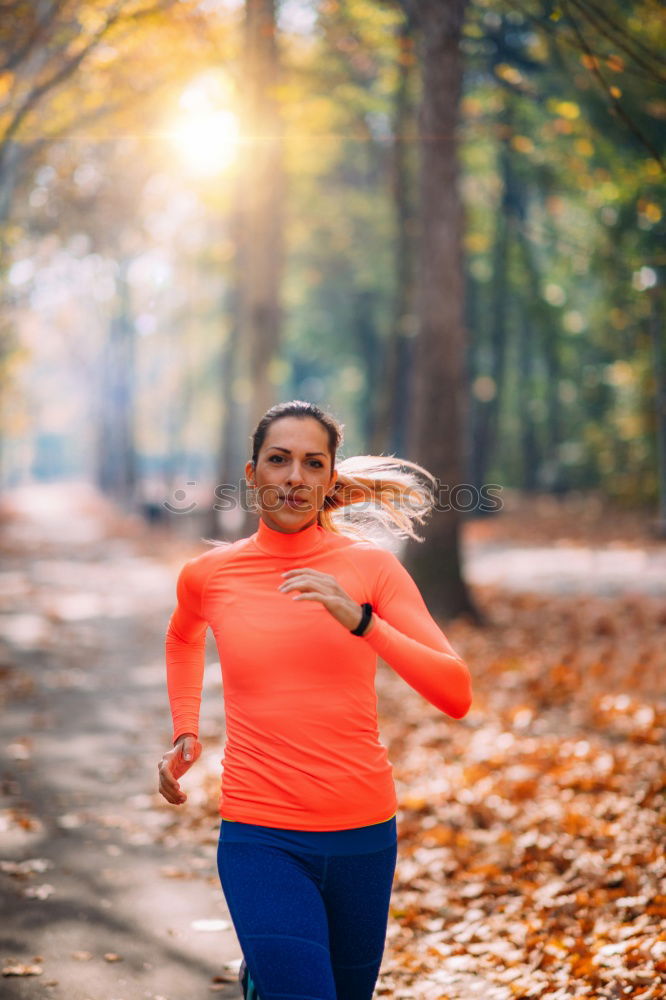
(288, 543)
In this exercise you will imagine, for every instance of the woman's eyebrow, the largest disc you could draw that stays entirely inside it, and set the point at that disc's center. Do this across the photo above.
(288, 450)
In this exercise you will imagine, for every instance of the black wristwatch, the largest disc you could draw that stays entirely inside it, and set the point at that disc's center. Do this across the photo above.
(363, 624)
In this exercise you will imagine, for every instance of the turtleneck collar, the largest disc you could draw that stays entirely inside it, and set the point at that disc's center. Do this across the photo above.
(285, 543)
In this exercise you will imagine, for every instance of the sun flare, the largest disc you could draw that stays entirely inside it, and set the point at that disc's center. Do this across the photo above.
(205, 133)
(207, 141)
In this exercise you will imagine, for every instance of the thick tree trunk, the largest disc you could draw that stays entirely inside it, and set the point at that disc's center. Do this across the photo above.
(262, 195)
(256, 321)
(440, 377)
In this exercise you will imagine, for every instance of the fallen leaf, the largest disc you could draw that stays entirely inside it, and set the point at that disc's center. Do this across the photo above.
(22, 970)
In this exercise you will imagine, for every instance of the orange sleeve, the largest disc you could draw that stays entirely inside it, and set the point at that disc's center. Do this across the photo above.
(408, 638)
(185, 645)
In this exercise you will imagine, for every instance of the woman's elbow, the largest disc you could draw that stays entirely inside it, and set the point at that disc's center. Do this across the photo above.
(460, 710)
(463, 701)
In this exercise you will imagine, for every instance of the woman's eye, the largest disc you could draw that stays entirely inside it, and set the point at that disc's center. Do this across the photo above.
(314, 462)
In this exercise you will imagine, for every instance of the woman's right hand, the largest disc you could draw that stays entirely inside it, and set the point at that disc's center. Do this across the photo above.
(174, 764)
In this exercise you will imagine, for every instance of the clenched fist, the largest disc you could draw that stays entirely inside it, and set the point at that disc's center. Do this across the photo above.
(174, 764)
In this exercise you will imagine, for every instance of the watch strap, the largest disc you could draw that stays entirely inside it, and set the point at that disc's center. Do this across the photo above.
(363, 624)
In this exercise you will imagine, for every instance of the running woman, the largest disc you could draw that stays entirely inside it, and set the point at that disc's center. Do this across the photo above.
(300, 610)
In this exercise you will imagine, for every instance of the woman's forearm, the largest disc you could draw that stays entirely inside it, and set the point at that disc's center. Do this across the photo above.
(439, 675)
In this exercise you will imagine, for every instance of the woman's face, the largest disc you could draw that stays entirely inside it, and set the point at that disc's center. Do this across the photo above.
(293, 460)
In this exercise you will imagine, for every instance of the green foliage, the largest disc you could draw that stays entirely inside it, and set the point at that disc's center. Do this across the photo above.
(573, 93)
(562, 152)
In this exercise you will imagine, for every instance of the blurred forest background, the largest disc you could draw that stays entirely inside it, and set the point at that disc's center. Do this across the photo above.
(443, 220)
(208, 206)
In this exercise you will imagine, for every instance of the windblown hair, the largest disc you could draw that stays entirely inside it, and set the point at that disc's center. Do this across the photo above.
(372, 491)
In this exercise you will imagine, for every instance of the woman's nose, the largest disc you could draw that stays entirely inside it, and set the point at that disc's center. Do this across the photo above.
(295, 474)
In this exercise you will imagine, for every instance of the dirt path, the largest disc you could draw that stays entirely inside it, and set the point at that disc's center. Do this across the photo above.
(115, 905)
(568, 569)
(108, 892)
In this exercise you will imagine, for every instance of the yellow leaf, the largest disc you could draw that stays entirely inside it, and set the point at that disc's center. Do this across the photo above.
(6, 80)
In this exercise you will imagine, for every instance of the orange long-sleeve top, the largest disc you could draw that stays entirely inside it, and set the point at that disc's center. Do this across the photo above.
(302, 747)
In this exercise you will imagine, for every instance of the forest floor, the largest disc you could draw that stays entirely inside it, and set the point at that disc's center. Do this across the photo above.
(531, 832)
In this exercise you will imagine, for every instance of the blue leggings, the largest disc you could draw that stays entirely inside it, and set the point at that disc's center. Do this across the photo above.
(310, 908)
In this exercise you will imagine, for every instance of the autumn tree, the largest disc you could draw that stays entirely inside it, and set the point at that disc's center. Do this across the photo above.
(58, 64)
(439, 387)
(255, 306)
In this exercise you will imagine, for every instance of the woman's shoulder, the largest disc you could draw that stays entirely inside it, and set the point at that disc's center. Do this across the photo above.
(364, 549)
(212, 557)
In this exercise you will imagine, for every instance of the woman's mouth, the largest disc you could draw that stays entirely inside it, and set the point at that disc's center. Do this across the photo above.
(296, 503)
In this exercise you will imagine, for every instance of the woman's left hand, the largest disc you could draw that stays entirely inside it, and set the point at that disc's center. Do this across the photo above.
(323, 587)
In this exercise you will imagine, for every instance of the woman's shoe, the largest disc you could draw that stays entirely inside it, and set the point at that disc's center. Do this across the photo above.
(242, 977)
(247, 985)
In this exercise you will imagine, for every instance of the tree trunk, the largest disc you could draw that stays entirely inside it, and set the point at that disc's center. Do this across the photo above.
(9, 166)
(392, 410)
(553, 473)
(440, 376)
(364, 327)
(528, 438)
(487, 411)
(528, 399)
(659, 362)
(116, 454)
(256, 318)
